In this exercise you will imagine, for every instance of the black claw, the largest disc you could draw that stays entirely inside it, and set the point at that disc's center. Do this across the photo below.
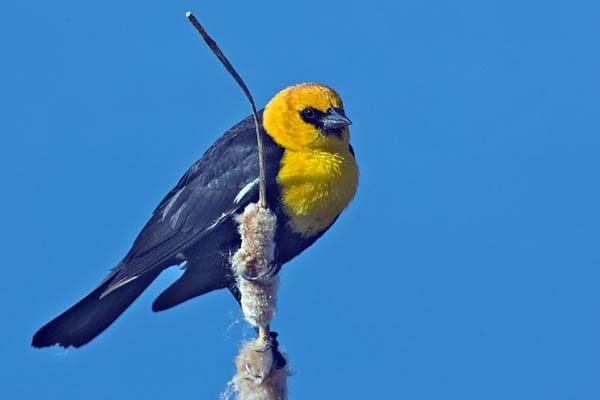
(273, 269)
(250, 371)
(268, 346)
(273, 345)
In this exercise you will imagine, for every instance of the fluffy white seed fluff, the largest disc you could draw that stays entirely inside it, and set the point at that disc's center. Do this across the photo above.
(257, 228)
(255, 378)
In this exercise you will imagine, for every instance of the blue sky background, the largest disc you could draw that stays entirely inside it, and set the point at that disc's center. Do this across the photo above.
(466, 268)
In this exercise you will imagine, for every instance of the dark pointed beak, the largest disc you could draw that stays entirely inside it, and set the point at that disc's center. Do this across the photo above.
(335, 119)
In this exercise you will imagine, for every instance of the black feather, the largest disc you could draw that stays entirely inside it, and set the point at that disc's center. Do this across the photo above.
(201, 276)
(187, 221)
(91, 315)
(194, 222)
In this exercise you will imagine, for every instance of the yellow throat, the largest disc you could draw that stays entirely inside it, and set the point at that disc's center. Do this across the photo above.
(318, 174)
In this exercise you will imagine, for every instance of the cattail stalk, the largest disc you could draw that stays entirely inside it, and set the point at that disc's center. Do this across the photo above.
(261, 369)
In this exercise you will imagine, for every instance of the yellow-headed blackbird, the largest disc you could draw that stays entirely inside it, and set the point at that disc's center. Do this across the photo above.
(311, 176)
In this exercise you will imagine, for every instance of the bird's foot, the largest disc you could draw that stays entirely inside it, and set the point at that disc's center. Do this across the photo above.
(273, 345)
(268, 274)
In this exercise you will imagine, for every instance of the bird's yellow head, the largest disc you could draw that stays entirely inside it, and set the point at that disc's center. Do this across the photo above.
(308, 116)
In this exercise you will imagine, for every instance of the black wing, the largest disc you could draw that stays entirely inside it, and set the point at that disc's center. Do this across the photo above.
(222, 182)
(212, 190)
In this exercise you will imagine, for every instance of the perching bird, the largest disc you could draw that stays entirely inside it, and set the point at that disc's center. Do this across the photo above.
(311, 176)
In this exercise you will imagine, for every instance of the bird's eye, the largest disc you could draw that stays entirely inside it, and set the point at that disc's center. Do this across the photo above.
(308, 113)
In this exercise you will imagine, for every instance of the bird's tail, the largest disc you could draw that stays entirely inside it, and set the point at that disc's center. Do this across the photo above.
(92, 314)
(201, 276)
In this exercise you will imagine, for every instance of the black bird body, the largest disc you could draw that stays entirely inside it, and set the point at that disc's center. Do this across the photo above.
(194, 224)
(183, 229)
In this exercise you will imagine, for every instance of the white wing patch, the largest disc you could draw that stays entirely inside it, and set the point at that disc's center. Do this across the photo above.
(118, 285)
(170, 203)
(218, 221)
(245, 190)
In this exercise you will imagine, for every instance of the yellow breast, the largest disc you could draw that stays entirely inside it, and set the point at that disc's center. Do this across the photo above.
(316, 186)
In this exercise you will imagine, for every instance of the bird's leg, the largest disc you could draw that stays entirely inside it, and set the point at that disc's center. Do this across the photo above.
(270, 338)
(264, 334)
